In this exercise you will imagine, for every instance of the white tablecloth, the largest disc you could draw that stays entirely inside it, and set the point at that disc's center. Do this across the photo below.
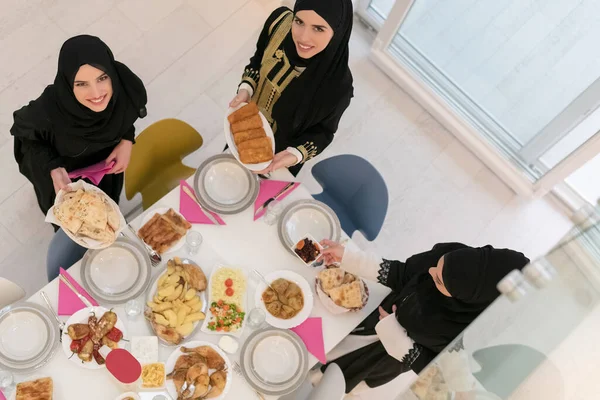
(241, 243)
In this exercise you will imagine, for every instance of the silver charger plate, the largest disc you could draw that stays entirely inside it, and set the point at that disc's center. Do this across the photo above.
(274, 361)
(308, 217)
(118, 273)
(224, 186)
(28, 337)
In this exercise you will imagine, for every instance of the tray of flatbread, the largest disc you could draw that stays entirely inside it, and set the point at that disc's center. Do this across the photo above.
(341, 291)
(87, 215)
(249, 136)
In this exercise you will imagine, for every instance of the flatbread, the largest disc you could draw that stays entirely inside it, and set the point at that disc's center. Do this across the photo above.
(102, 235)
(40, 389)
(92, 211)
(255, 156)
(259, 143)
(254, 122)
(331, 278)
(347, 296)
(244, 112)
(243, 136)
(66, 214)
(112, 216)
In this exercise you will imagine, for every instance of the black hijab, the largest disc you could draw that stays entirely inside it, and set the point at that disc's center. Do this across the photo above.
(327, 78)
(470, 275)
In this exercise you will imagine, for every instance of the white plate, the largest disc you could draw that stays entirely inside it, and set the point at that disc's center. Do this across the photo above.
(209, 315)
(170, 364)
(306, 291)
(161, 210)
(233, 147)
(275, 350)
(153, 288)
(226, 183)
(81, 317)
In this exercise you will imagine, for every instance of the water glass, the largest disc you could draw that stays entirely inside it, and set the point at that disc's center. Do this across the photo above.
(255, 318)
(6, 381)
(133, 308)
(193, 240)
(272, 213)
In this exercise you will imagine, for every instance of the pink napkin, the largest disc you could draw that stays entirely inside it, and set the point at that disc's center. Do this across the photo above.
(94, 173)
(311, 333)
(68, 302)
(267, 190)
(191, 211)
(2, 396)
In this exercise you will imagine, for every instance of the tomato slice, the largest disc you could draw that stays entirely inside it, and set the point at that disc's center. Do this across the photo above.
(226, 307)
(229, 282)
(220, 302)
(229, 291)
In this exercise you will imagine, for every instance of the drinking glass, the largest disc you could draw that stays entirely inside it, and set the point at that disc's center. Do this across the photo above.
(7, 381)
(272, 213)
(133, 308)
(255, 318)
(193, 240)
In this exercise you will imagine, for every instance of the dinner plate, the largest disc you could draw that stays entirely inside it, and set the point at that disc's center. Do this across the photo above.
(152, 291)
(162, 210)
(308, 217)
(28, 337)
(81, 317)
(117, 273)
(170, 364)
(274, 361)
(306, 291)
(224, 186)
(233, 147)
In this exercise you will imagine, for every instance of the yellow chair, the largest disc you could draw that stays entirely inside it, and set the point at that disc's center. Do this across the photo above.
(155, 167)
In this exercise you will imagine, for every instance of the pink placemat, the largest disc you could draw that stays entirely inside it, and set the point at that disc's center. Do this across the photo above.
(311, 333)
(94, 173)
(68, 302)
(192, 211)
(267, 190)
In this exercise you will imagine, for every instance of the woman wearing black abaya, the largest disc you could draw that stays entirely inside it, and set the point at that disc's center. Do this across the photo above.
(435, 296)
(85, 117)
(299, 78)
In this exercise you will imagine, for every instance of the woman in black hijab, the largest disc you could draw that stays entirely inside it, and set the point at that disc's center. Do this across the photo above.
(300, 79)
(85, 117)
(435, 296)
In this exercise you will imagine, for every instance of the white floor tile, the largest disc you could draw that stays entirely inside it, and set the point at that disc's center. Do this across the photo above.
(20, 214)
(458, 164)
(73, 16)
(146, 14)
(205, 116)
(7, 245)
(216, 12)
(115, 29)
(164, 43)
(12, 180)
(14, 12)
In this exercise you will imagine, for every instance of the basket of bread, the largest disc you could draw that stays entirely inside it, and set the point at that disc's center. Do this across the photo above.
(87, 215)
(341, 291)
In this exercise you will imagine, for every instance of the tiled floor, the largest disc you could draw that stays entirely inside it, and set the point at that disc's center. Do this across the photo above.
(190, 55)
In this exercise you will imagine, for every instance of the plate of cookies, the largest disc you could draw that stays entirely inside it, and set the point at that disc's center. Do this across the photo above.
(249, 136)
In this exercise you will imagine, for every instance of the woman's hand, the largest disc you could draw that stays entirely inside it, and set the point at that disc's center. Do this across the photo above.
(60, 179)
(383, 313)
(243, 96)
(283, 159)
(120, 155)
(333, 252)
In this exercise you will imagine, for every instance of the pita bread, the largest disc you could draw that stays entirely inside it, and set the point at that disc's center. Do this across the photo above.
(101, 235)
(92, 210)
(40, 389)
(73, 195)
(347, 296)
(66, 213)
(112, 216)
(331, 278)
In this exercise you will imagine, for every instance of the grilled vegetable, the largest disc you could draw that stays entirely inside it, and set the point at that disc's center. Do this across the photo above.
(78, 331)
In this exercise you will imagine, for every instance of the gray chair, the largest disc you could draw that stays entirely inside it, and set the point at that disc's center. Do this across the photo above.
(332, 386)
(9, 292)
(356, 191)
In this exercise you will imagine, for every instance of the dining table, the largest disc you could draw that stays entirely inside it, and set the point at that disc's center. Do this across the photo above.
(240, 243)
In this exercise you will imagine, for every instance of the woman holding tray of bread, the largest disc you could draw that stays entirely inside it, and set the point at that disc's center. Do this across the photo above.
(435, 296)
(300, 79)
(85, 117)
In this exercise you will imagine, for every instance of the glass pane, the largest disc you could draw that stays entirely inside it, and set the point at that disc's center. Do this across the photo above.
(513, 69)
(533, 343)
(381, 8)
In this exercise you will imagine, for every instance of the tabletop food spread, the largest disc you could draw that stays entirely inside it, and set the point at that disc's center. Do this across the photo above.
(200, 324)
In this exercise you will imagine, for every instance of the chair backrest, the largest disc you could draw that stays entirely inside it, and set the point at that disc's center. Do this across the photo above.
(358, 187)
(9, 292)
(332, 385)
(161, 144)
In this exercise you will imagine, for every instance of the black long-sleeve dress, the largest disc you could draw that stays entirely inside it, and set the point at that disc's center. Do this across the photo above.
(281, 82)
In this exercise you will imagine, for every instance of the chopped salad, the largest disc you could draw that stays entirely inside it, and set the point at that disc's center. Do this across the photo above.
(225, 317)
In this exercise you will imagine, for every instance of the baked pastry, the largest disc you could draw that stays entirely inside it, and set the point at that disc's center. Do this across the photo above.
(244, 112)
(92, 210)
(255, 156)
(347, 296)
(40, 389)
(260, 143)
(243, 136)
(164, 230)
(331, 278)
(253, 122)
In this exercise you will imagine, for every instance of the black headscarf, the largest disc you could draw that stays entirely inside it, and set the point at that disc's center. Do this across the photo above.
(327, 77)
(71, 117)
